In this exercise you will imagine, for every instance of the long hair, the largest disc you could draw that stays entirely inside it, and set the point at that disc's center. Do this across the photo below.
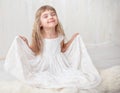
(37, 36)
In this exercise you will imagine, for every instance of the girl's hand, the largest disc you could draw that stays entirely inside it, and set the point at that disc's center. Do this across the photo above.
(74, 35)
(24, 39)
(66, 45)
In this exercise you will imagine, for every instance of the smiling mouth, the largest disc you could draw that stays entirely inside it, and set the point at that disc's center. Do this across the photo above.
(51, 21)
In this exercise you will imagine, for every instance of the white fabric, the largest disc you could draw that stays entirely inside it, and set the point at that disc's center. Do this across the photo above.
(110, 84)
(53, 69)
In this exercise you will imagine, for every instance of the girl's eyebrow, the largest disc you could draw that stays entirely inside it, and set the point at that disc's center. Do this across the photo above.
(52, 12)
(45, 14)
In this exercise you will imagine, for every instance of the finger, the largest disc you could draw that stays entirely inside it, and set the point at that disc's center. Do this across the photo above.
(21, 37)
(77, 33)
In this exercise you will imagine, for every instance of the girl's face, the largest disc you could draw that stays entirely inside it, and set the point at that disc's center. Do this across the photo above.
(48, 19)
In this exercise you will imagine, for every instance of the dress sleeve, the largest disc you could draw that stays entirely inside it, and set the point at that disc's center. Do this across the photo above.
(18, 59)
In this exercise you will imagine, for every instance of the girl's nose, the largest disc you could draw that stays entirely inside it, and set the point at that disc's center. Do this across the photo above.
(50, 16)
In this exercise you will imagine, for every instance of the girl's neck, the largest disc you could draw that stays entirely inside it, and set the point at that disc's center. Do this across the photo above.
(50, 33)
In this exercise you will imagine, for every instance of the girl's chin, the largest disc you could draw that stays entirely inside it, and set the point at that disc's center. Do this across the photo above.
(52, 25)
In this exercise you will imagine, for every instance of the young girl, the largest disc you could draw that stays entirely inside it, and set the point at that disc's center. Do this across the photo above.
(49, 62)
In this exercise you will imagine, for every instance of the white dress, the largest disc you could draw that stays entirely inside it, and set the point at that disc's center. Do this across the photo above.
(52, 69)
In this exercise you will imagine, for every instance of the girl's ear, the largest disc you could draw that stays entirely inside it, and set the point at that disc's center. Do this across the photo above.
(40, 25)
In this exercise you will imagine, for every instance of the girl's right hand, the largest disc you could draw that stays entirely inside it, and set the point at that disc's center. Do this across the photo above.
(24, 39)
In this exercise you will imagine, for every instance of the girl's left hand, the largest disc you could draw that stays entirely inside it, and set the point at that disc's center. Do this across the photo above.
(75, 35)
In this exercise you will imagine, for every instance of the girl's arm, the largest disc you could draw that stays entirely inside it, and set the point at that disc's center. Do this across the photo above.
(65, 46)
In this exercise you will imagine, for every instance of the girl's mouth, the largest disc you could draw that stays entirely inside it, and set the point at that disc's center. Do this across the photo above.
(51, 21)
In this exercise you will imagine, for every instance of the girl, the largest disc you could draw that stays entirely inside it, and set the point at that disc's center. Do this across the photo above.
(49, 62)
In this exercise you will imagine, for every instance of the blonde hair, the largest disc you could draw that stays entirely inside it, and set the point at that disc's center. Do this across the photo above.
(37, 37)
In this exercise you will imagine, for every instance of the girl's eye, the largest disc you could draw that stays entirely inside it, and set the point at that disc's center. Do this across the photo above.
(45, 16)
(50, 14)
(53, 14)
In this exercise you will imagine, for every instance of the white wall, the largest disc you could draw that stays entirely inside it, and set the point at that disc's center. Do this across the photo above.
(116, 23)
(97, 21)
